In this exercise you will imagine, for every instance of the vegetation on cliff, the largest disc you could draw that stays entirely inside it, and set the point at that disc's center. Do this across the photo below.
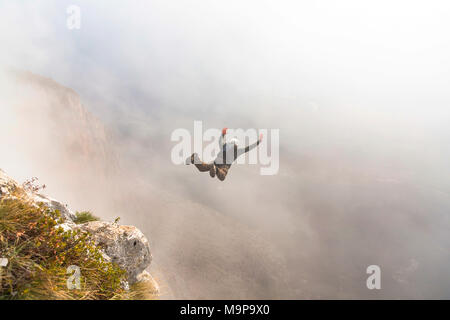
(39, 253)
(84, 216)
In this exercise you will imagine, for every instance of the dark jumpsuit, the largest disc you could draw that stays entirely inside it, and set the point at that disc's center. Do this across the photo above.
(221, 164)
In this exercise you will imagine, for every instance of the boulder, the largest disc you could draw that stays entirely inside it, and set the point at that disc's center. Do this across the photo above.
(125, 245)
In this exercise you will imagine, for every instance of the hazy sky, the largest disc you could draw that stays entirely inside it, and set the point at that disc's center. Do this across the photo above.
(237, 59)
(217, 53)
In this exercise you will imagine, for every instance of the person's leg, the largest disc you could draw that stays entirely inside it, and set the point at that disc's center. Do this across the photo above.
(212, 170)
(201, 166)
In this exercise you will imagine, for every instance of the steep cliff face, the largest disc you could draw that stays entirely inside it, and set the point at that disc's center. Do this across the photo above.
(50, 134)
(82, 138)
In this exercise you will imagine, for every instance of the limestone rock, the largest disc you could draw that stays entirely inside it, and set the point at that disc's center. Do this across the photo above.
(8, 185)
(145, 276)
(66, 214)
(125, 245)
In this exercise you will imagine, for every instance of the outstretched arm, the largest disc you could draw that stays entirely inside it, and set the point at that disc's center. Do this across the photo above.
(250, 147)
(222, 137)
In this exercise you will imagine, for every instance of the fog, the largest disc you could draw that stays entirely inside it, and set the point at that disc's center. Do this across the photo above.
(359, 93)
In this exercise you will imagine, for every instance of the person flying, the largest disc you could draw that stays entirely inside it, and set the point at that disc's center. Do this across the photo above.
(229, 152)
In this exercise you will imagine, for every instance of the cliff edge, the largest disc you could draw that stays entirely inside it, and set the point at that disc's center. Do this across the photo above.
(47, 253)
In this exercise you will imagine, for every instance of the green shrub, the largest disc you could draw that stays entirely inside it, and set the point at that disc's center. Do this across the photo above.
(84, 216)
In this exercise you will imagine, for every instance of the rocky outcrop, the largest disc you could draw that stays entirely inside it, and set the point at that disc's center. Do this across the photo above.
(126, 246)
(8, 186)
(67, 215)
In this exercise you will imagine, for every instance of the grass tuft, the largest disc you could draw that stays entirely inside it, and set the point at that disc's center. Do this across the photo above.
(84, 216)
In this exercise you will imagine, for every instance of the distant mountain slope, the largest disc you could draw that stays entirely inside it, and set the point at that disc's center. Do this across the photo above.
(82, 137)
(51, 135)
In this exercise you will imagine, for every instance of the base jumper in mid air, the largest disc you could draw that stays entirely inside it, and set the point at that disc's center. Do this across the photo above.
(229, 152)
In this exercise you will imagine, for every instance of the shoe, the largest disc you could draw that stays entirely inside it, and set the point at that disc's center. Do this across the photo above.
(193, 157)
(212, 171)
